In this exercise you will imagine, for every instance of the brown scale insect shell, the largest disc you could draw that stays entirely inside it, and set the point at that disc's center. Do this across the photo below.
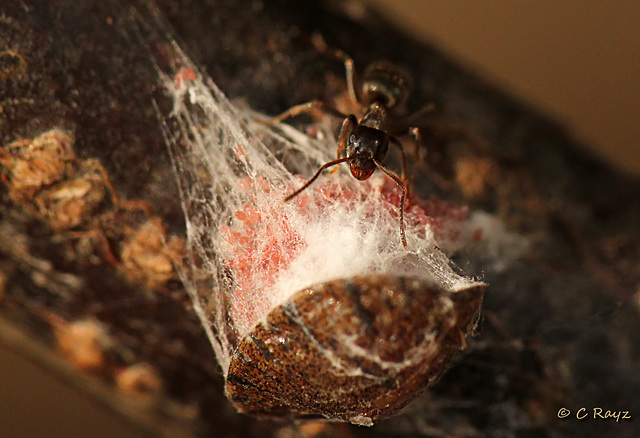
(357, 350)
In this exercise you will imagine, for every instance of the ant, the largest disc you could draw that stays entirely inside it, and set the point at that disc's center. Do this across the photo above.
(364, 142)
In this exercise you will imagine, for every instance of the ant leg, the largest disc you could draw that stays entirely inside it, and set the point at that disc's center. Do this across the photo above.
(403, 156)
(314, 177)
(303, 108)
(417, 143)
(350, 72)
(321, 46)
(348, 126)
(398, 181)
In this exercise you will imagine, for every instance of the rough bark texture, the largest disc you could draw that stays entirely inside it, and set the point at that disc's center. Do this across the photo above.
(561, 326)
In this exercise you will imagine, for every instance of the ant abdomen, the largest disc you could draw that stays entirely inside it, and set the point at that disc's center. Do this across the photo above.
(385, 82)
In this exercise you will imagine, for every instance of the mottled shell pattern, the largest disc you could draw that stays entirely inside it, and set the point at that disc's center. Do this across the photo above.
(358, 349)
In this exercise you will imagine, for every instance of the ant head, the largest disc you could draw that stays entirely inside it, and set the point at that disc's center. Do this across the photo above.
(364, 144)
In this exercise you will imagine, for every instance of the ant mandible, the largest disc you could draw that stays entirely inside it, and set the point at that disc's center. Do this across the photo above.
(365, 142)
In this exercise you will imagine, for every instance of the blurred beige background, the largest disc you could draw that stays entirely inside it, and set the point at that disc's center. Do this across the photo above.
(577, 60)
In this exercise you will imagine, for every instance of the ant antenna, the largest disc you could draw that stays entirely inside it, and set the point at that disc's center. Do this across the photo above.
(314, 177)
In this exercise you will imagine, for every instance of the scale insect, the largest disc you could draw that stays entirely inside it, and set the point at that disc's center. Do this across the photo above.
(356, 349)
(364, 142)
